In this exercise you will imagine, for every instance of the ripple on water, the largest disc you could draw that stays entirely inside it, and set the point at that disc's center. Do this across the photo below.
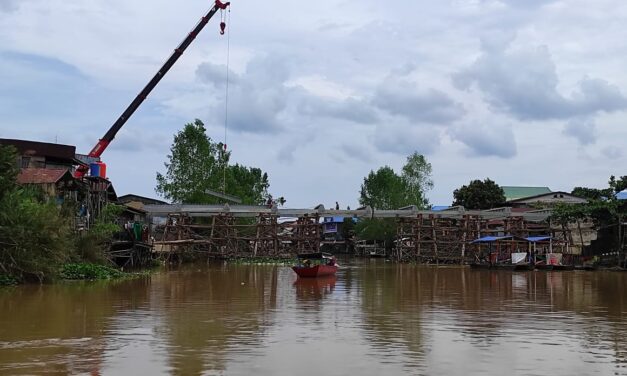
(373, 318)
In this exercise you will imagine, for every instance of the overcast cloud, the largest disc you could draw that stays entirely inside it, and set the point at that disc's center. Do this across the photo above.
(8, 5)
(525, 92)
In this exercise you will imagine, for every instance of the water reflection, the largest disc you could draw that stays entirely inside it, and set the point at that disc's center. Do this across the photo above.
(373, 318)
(557, 321)
(314, 289)
(208, 315)
(59, 329)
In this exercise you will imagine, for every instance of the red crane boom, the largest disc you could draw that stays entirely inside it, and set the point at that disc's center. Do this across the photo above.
(102, 144)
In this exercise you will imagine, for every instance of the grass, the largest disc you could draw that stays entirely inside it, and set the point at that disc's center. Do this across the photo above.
(7, 280)
(90, 272)
(261, 261)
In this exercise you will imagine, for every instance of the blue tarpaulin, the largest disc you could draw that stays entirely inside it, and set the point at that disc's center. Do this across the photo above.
(534, 239)
(488, 239)
(622, 195)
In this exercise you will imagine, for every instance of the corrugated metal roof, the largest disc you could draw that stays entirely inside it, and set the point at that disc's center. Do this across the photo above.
(513, 193)
(144, 200)
(41, 175)
(42, 149)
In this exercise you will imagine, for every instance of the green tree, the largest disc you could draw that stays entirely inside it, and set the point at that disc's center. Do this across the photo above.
(594, 194)
(35, 239)
(386, 190)
(479, 195)
(197, 163)
(603, 208)
(416, 176)
(591, 194)
(8, 169)
(377, 229)
(383, 190)
(618, 185)
(248, 183)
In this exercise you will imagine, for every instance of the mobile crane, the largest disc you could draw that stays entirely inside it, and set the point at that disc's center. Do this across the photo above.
(102, 144)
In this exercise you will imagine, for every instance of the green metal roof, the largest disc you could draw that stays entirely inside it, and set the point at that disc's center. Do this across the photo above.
(514, 193)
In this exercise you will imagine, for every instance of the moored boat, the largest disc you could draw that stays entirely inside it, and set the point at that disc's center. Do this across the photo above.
(311, 265)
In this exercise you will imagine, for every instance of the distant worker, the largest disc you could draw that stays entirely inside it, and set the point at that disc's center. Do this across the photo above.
(348, 207)
(337, 206)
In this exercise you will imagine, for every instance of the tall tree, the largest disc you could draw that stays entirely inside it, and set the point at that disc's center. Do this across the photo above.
(383, 189)
(479, 195)
(197, 163)
(416, 176)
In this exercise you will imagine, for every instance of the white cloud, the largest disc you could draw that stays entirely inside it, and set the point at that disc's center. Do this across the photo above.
(404, 139)
(485, 140)
(584, 130)
(9, 5)
(524, 84)
(325, 91)
(613, 152)
(404, 98)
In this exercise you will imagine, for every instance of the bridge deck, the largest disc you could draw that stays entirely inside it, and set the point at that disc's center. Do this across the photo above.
(254, 211)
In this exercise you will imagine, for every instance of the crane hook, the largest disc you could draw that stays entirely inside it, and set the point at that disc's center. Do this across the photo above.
(221, 5)
(222, 27)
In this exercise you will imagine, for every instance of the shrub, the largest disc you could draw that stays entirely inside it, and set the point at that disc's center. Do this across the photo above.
(89, 272)
(34, 237)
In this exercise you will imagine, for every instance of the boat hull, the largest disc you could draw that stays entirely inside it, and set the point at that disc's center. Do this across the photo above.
(314, 271)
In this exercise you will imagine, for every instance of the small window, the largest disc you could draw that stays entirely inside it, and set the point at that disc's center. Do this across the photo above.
(554, 196)
(561, 196)
(25, 162)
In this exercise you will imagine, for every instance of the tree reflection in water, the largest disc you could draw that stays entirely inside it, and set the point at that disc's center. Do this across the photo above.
(373, 318)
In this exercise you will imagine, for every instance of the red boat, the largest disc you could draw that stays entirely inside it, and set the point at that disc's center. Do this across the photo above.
(311, 265)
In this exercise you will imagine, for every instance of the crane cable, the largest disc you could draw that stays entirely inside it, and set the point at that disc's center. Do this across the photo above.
(226, 95)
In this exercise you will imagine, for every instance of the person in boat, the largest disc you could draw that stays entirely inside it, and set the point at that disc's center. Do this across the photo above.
(332, 262)
(307, 263)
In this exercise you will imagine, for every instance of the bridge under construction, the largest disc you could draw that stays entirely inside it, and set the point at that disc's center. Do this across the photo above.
(444, 236)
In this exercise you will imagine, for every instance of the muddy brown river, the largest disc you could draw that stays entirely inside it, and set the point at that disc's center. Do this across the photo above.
(373, 318)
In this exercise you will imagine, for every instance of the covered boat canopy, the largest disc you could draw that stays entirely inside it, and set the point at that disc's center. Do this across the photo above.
(316, 255)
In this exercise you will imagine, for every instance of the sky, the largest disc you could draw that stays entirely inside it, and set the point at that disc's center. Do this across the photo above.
(524, 92)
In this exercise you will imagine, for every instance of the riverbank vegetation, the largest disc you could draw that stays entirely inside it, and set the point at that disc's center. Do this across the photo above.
(603, 208)
(37, 236)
